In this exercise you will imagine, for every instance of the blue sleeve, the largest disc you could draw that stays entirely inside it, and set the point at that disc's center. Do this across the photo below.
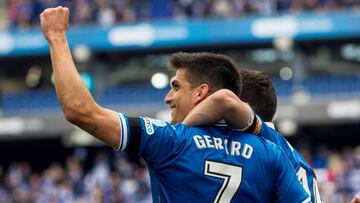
(258, 127)
(287, 187)
(152, 139)
(275, 137)
(158, 141)
(272, 135)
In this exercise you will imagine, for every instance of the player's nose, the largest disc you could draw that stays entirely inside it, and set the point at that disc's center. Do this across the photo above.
(168, 98)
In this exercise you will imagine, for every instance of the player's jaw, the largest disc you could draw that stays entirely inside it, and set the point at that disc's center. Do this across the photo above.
(172, 107)
(179, 109)
(170, 101)
(175, 114)
(180, 98)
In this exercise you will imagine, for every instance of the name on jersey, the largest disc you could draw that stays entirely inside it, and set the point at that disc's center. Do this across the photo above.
(234, 148)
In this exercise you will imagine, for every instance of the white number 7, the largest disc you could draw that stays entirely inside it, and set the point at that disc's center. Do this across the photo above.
(232, 176)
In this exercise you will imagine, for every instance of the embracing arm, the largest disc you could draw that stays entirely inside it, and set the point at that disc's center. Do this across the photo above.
(222, 104)
(76, 101)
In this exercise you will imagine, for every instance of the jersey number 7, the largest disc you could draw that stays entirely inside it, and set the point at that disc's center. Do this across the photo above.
(232, 176)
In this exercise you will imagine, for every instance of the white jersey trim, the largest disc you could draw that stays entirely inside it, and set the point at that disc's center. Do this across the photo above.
(307, 200)
(270, 124)
(123, 133)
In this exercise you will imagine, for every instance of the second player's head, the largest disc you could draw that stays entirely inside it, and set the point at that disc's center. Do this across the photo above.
(197, 76)
(258, 91)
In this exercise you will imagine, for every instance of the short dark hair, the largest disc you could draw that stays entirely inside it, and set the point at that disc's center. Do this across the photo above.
(216, 70)
(259, 92)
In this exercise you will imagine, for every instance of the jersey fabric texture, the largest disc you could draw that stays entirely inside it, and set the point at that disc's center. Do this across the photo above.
(210, 163)
(305, 173)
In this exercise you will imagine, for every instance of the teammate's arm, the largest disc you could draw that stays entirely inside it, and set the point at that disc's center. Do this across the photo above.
(76, 101)
(222, 104)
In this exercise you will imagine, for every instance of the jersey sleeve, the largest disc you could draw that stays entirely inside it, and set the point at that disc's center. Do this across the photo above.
(259, 127)
(287, 187)
(253, 123)
(274, 136)
(152, 139)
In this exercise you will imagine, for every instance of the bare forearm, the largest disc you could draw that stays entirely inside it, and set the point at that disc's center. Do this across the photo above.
(69, 87)
(76, 101)
(204, 113)
(222, 104)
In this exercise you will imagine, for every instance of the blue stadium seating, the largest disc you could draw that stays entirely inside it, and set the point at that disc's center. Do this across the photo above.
(45, 101)
(30, 102)
(322, 87)
(132, 95)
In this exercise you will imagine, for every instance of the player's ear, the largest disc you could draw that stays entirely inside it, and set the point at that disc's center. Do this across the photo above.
(202, 92)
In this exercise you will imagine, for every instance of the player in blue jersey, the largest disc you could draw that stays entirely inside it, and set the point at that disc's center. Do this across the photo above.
(259, 93)
(198, 164)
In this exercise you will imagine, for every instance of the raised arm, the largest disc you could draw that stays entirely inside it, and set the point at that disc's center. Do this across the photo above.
(222, 104)
(76, 101)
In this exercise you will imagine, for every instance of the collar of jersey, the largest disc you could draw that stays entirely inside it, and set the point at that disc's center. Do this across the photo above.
(220, 123)
(223, 123)
(270, 124)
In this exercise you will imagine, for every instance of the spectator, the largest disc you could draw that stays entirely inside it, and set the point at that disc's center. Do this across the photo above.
(23, 14)
(338, 179)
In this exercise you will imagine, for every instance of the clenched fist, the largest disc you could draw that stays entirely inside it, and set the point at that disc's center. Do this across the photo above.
(54, 22)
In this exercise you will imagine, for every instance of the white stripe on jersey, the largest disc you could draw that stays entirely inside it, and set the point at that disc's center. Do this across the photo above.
(121, 136)
(123, 133)
(270, 124)
(307, 200)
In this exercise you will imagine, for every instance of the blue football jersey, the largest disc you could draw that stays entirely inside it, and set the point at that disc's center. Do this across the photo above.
(304, 172)
(210, 163)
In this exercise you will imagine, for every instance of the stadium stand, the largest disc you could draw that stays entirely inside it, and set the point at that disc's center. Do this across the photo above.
(40, 101)
(107, 179)
(24, 14)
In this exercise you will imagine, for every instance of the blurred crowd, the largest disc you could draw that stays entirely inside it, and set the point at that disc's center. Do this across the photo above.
(108, 180)
(115, 179)
(24, 13)
(338, 172)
